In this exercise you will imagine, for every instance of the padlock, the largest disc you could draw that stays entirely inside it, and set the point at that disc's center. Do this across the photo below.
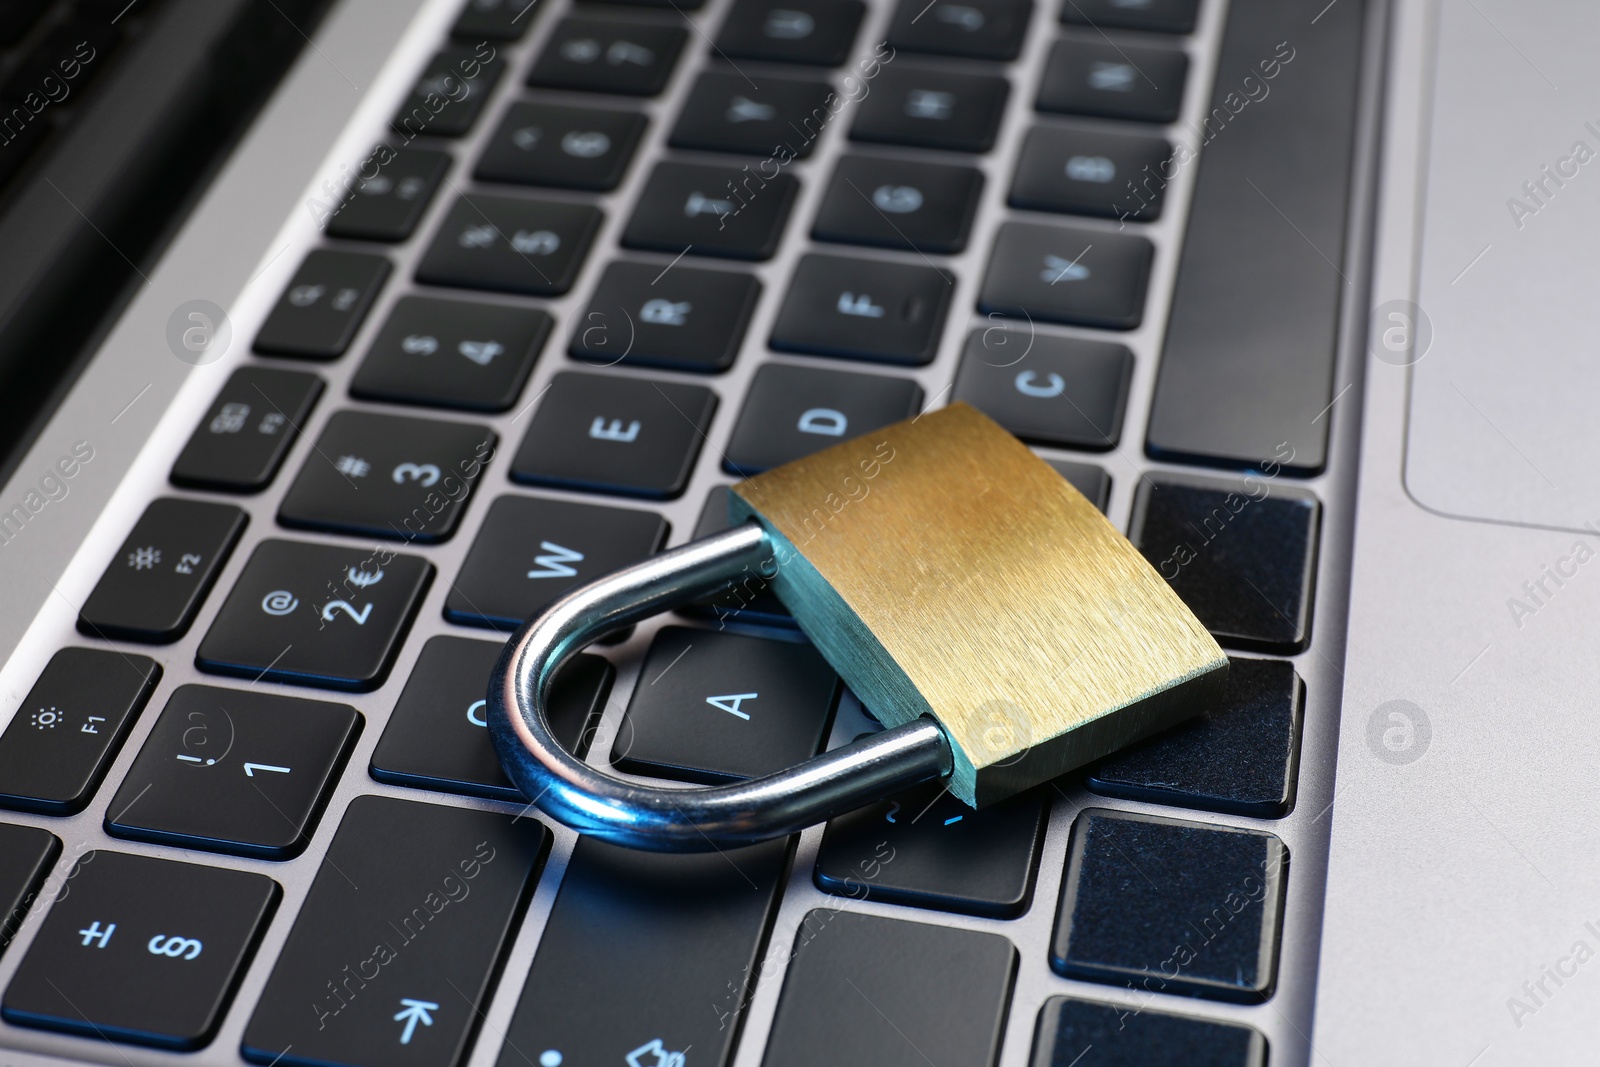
(975, 602)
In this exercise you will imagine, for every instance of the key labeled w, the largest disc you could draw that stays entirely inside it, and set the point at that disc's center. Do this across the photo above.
(554, 563)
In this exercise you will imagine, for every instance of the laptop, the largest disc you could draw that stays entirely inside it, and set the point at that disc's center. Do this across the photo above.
(338, 338)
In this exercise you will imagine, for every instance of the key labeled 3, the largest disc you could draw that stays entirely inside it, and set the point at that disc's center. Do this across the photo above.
(382, 476)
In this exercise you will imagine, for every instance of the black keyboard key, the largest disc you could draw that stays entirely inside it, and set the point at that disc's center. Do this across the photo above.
(865, 989)
(1226, 397)
(682, 318)
(438, 737)
(634, 436)
(1118, 1036)
(388, 205)
(1238, 757)
(899, 203)
(1242, 555)
(68, 729)
(388, 476)
(240, 771)
(155, 584)
(451, 92)
(510, 244)
(495, 20)
(717, 707)
(248, 430)
(792, 411)
(603, 55)
(864, 309)
(1079, 277)
(748, 600)
(1094, 76)
(818, 32)
(141, 950)
(1086, 171)
(726, 113)
(1064, 391)
(711, 211)
(1086, 478)
(565, 147)
(420, 899)
(932, 107)
(322, 615)
(1157, 16)
(1169, 906)
(318, 315)
(944, 854)
(26, 856)
(623, 920)
(973, 29)
(452, 354)
(530, 551)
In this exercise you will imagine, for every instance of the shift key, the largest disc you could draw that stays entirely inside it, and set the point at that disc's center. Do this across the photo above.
(647, 958)
(391, 958)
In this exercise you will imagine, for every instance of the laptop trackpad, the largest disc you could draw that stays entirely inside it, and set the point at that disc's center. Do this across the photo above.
(1505, 402)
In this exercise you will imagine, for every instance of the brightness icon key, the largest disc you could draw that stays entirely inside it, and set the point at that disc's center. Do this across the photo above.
(156, 582)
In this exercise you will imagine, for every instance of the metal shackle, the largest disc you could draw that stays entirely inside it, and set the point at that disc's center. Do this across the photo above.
(687, 819)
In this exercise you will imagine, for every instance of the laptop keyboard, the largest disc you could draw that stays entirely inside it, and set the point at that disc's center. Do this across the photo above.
(617, 258)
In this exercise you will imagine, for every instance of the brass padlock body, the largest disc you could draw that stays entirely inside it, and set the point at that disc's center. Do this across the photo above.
(943, 569)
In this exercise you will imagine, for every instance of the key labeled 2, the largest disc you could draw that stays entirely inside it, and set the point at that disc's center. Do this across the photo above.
(320, 615)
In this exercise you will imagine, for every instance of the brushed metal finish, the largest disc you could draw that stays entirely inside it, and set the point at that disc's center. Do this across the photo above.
(655, 817)
(945, 570)
(45, 578)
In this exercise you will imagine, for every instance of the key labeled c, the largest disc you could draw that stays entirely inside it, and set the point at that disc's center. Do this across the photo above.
(1053, 385)
(475, 713)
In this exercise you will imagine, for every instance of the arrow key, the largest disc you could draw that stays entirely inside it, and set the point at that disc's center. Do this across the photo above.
(240, 771)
